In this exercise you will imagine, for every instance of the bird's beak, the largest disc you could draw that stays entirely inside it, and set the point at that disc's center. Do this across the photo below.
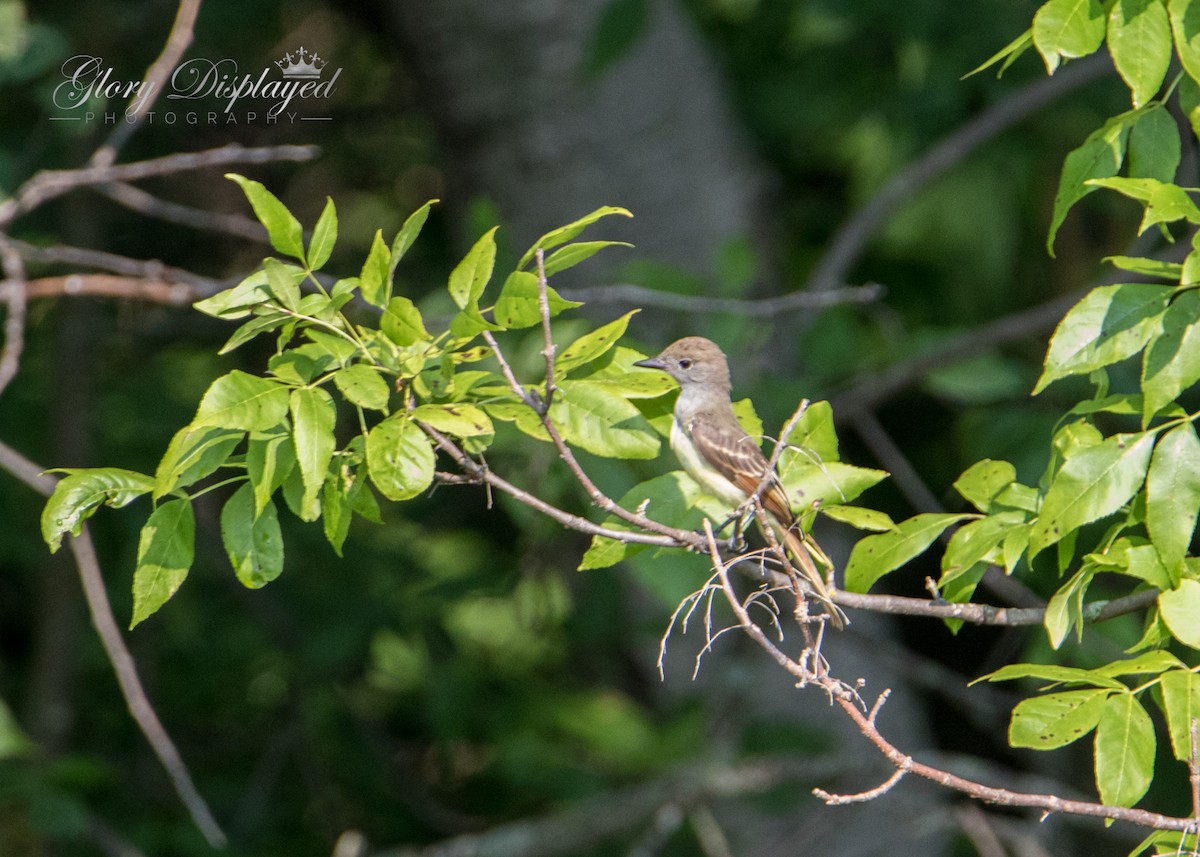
(651, 363)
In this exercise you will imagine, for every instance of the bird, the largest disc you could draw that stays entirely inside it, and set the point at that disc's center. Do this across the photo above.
(716, 451)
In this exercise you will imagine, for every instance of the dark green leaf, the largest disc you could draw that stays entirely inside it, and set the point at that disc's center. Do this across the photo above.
(79, 494)
(1154, 146)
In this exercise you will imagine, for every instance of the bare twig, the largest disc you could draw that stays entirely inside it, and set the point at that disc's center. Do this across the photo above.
(49, 184)
(798, 301)
(122, 662)
(852, 236)
(14, 320)
(136, 199)
(549, 349)
(106, 286)
(862, 797)
(153, 82)
(150, 269)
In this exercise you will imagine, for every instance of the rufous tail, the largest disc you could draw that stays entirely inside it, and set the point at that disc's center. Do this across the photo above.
(800, 553)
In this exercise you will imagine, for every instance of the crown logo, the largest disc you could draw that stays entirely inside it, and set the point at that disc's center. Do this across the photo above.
(306, 65)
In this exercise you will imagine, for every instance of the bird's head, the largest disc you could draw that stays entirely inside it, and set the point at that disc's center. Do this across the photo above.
(692, 360)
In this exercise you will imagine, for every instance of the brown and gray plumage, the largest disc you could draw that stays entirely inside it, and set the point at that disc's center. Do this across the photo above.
(717, 452)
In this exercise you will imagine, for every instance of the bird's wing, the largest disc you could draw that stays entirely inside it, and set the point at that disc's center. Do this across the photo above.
(725, 445)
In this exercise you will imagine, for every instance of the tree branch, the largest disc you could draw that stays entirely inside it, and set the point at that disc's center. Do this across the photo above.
(798, 301)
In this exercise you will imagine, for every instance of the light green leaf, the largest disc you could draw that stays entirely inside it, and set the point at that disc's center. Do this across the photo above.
(192, 454)
(283, 282)
(1067, 29)
(521, 415)
(242, 401)
(283, 228)
(470, 277)
(269, 460)
(270, 320)
(975, 542)
(573, 254)
(563, 234)
(1147, 663)
(313, 417)
(238, 301)
(1180, 609)
(859, 517)
(517, 305)
(399, 458)
(1181, 704)
(374, 284)
(1056, 719)
(252, 539)
(459, 420)
(815, 434)
(1064, 610)
(1147, 267)
(1099, 156)
(335, 512)
(324, 236)
(402, 324)
(875, 556)
(166, 548)
(1125, 748)
(1053, 673)
(591, 345)
(1185, 24)
(1173, 493)
(302, 364)
(1008, 54)
(1094, 482)
(592, 417)
(77, 496)
(982, 481)
(1139, 39)
(1171, 363)
(363, 386)
(407, 235)
(1110, 324)
(811, 486)
(747, 417)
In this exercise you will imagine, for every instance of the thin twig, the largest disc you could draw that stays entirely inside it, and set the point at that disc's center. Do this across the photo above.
(798, 301)
(862, 797)
(549, 349)
(154, 80)
(14, 320)
(107, 286)
(105, 623)
(150, 269)
(136, 199)
(851, 237)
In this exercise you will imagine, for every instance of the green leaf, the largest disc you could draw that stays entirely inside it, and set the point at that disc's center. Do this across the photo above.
(1009, 53)
(283, 228)
(1053, 673)
(814, 433)
(1152, 662)
(811, 486)
(313, 416)
(1125, 748)
(407, 235)
(1185, 24)
(1154, 146)
(192, 454)
(1180, 609)
(324, 236)
(591, 345)
(573, 254)
(238, 301)
(1099, 156)
(252, 539)
(166, 549)
(517, 305)
(875, 556)
(460, 420)
(269, 460)
(1147, 267)
(77, 496)
(1173, 493)
(242, 401)
(1110, 324)
(859, 517)
(1181, 704)
(670, 499)
(983, 481)
(261, 324)
(402, 324)
(302, 364)
(1171, 363)
(975, 542)
(335, 512)
(1094, 482)
(1064, 611)
(399, 458)
(1056, 719)
(283, 281)
(470, 277)
(521, 415)
(563, 234)
(1067, 29)
(1139, 39)
(363, 386)
(604, 423)
(373, 279)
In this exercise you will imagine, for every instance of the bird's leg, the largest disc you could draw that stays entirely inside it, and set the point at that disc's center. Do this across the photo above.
(736, 542)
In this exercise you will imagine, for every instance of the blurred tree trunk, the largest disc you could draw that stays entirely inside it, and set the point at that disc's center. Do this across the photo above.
(527, 122)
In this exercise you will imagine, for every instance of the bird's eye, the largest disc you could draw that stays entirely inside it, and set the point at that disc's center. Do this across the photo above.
(685, 364)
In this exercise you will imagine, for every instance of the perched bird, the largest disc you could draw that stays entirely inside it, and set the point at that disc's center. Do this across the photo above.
(717, 452)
